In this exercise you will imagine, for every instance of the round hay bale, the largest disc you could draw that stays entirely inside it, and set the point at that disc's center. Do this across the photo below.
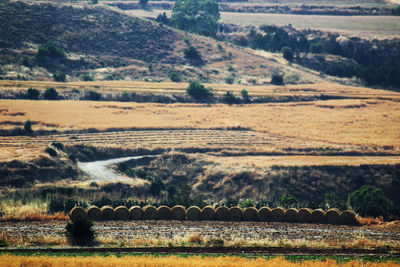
(250, 214)
(222, 214)
(332, 216)
(304, 215)
(107, 213)
(77, 212)
(136, 213)
(264, 214)
(163, 213)
(235, 214)
(121, 213)
(93, 213)
(318, 216)
(291, 215)
(193, 213)
(149, 213)
(277, 214)
(348, 217)
(178, 213)
(207, 213)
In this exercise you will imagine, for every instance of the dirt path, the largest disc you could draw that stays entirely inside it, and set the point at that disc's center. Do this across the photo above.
(99, 170)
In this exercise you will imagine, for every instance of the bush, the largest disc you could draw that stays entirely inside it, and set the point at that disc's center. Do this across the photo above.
(94, 96)
(28, 127)
(198, 91)
(317, 48)
(58, 145)
(247, 203)
(277, 79)
(87, 77)
(49, 50)
(79, 231)
(287, 53)
(33, 94)
(230, 80)
(175, 76)
(55, 205)
(50, 94)
(245, 95)
(333, 201)
(288, 201)
(59, 76)
(370, 201)
(191, 53)
(51, 151)
(230, 98)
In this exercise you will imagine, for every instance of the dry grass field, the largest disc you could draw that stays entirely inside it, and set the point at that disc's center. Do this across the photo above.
(171, 261)
(361, 26)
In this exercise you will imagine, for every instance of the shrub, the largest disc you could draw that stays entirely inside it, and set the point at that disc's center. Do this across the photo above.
(51, 151)
(50, 94)
(198, 91)
(163, 213)
(28, 127)
(370, 201)
(264, 214)
(247, 203)
(79, 231)
(93, 213)
(288, 201)
(245, 95)
(59, 76)
(87, 77)
(55, 205)
(58, 145)
(49, 50)
(94, 2)
(193, 213)
(277, 79)
(77, 212)
(317, 48)
(121, 213)
(178, 213)
(229, 98)
(136, 213)
(230, 80)
(250, 214)
(175, 76)
(94, 96)
(222, 214)
(287, 53)
(32, 94)
(333, 201)
(192, 54)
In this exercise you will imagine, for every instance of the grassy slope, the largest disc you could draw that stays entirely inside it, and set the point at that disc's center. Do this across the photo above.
(108, 42)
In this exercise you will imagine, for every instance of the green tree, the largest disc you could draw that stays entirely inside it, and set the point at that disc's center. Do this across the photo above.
(287, 53)
(28, 127)
(198, 91)
(288, 201)
(198, 16)
(59, 76)
(79, 231)
(32, 94)
(192, 54)
(370, 201)
(50, 94)
(333, 201)
(245, 95)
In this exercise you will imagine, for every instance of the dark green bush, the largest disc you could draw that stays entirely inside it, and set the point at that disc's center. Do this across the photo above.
(317, 48)
(230, 80)
(229, 98)
(87, 77)
(277, 79)
(49, 50)
(371, 201)
(175, 76)
(51, 151)
(333, 201)
(28, 127)
(198, 91)
(94, 96)
(50, 94)
(288, 201)
(55, 205)
(247, 203)
(245, 95)
(33, 94)
(287, 53)
(58, 145)
(191, 53)
(59, 76)
(79, 231)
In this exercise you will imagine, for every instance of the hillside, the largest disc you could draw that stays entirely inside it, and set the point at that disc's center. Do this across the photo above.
(111, 45)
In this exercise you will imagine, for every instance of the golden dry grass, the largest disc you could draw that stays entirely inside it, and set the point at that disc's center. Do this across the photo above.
(172, 261)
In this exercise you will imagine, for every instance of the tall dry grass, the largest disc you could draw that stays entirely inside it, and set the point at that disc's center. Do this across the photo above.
(170, 261)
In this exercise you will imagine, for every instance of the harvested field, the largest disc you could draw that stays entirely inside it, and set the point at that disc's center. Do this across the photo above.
(153, 233)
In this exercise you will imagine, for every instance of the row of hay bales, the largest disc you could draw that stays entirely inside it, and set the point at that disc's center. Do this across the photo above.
(208, 213)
